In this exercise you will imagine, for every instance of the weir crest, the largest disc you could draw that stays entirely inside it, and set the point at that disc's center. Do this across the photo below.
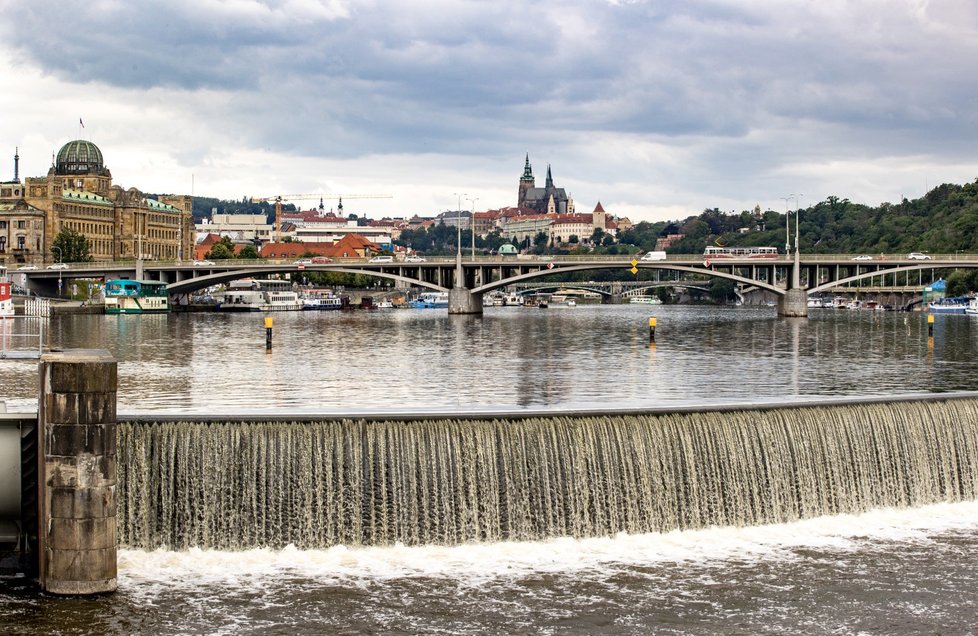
(315, 484)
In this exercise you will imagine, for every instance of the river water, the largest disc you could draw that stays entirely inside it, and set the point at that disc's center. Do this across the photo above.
(886, 571)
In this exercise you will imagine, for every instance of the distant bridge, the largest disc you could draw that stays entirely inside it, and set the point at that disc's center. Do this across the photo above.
(817, 273)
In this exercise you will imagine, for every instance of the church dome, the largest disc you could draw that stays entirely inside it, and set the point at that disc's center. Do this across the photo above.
(80, 157)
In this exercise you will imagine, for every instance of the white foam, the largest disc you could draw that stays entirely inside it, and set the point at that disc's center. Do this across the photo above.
(480, 562)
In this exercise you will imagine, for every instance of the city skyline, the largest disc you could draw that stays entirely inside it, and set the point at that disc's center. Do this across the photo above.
(655, 109)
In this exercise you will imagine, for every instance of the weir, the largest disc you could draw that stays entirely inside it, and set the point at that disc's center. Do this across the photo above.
(315, 482)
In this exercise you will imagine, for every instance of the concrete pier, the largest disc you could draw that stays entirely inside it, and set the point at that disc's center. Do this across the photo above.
(793, 304)
(77, 472)
(462, 301)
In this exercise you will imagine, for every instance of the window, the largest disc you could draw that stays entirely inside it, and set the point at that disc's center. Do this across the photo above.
(21, 242)
(3, 243)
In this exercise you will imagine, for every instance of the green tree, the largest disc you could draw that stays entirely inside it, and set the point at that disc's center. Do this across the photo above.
(71, 246)
(222, 250)
(248, 251)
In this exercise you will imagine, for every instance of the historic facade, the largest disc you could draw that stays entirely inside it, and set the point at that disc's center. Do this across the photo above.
(78, 193)
(546, 200)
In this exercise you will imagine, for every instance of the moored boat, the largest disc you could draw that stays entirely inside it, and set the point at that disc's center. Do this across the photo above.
(430, 300)
(260, 295)
(955, 305)
(126, 296)
(6, 295)
(320, 300)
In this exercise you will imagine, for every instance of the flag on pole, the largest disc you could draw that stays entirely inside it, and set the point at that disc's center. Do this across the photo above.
(81, 123)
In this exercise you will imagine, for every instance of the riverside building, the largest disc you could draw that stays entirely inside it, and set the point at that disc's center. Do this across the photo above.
(78, 193)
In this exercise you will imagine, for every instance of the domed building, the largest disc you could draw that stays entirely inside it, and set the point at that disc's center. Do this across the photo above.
(119, 223)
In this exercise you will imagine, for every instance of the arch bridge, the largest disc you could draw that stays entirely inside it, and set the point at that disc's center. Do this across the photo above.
(467, 279)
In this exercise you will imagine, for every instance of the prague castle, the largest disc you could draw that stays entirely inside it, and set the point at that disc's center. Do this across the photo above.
(78, 193)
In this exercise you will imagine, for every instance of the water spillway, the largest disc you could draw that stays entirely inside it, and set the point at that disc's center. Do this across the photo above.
(318, 483)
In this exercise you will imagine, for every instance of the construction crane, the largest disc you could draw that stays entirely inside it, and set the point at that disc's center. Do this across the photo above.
(278, 198)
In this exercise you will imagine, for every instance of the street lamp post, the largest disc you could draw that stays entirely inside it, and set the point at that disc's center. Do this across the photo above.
(55, 247)
(459, 273)
(472, 221)
(796, 270)
(787, 227)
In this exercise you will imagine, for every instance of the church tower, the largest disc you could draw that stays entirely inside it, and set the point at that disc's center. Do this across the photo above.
(526, 182)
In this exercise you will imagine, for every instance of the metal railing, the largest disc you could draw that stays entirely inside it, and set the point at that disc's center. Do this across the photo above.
(22, 337)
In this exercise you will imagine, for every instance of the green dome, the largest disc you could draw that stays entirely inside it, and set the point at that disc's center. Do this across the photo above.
(80, 157)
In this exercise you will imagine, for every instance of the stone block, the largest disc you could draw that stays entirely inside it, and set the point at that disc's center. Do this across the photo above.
(81, 535)
(81, 471)
(84, 503)
(80, 571)
(80, 408)
(74, 439)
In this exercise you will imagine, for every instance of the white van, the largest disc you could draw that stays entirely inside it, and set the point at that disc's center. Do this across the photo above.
(654, 256)
(382, 259)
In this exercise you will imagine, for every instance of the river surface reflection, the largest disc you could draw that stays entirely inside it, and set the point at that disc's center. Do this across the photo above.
(585, 356)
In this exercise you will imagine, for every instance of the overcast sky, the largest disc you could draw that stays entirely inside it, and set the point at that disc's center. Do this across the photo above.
(657, 109)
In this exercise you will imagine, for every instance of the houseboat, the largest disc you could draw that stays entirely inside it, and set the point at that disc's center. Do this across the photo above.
(136, 297)
(260, 295)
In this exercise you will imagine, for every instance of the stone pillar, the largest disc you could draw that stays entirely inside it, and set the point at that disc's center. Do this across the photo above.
(77, 472)
(794, 304)
(462, 301)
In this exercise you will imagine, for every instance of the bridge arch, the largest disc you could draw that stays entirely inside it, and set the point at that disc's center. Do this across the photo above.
(498, 284)
(190, 285)
(873, 274)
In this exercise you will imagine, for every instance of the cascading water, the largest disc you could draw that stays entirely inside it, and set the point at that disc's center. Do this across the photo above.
(233, 485)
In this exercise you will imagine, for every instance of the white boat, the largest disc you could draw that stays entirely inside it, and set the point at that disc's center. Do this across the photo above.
(571, 302)
(320, 300)
(384, 304)
(6, 295)
(645, 300)
(972, 308)
(260, 295)
(430, 300)
(958, 305)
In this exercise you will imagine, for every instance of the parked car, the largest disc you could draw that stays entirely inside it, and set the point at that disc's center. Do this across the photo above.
(413, 258)
(25, 268)
(203, 263)
(382, 259)
(862, 257)
(918, 256)
(58, 266)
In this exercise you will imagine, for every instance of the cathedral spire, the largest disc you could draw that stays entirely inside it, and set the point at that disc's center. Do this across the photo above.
(17, 164)
(550, 179)
(527, 170)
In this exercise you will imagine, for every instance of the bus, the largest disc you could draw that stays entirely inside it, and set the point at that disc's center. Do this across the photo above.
(740, 252)
(136, 297)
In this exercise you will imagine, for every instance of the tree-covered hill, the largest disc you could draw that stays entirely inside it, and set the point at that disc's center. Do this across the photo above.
(943, 221)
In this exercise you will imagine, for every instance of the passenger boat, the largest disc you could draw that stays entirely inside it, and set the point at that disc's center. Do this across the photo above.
(957, 305)
(6, 295)
(972, 308)
(260, 295)
(645, 300)
(320, 300)
(430, 300)
(126, 296)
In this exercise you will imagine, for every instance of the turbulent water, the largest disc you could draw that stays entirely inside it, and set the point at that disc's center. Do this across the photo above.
(806, 520)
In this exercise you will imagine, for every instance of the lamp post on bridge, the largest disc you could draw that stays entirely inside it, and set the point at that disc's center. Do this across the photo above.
(472, 221)
(796, 270)
(459, 273)
(787, 226)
